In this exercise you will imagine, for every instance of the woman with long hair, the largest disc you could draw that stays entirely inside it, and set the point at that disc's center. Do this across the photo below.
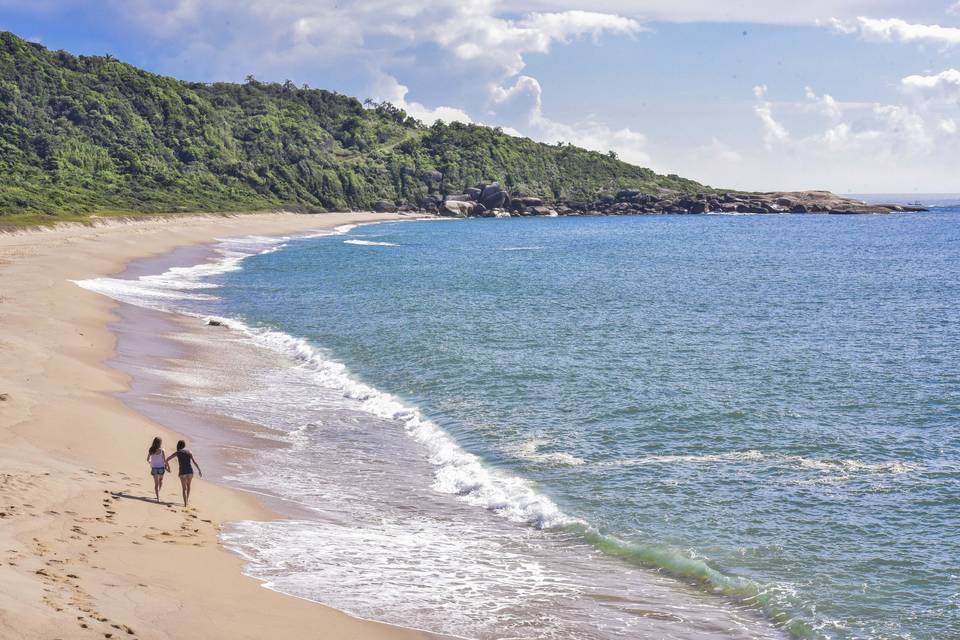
(158, 465)
(186, 461)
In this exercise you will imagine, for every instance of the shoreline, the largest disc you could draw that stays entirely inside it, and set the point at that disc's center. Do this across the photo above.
(176, 357)
(86, 550)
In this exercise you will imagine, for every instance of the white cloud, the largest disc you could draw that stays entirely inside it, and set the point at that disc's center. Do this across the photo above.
(809, 12)
(948, 126)
(719, 152)
(477, 34)
(773, 131)
(323, 31)
(897, 30)
(906, 128)
(840, 26)
(954, 8)
(945, 83)
(935, 96)
(523, 101)
(883, 131)
(825, 104)
(388, 89)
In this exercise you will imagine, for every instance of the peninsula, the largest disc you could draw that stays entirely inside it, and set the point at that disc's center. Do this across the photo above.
(90, 135)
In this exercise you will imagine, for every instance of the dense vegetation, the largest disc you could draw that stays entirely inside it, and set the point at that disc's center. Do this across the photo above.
(92, 134)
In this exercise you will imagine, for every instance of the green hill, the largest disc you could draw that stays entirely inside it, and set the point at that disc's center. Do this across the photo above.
(81, 134)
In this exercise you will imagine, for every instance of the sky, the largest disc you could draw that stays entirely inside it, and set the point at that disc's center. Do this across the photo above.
(855, 96)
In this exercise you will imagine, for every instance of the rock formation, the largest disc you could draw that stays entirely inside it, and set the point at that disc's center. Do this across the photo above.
(490, 200)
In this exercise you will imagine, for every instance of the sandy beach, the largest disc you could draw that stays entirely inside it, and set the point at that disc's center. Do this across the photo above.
(86, 552)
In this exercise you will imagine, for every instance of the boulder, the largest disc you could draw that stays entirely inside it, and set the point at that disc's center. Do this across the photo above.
(487, 190)
(472, 192)
(214, 323)
(500, 213)
(459, 197)
(384, 206)
(698, 207)
(628, 194)
(495, 199)
(457, 208)
(529, 201)
(542, 211)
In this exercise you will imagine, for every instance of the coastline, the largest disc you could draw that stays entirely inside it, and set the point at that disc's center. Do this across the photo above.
(178, 365)
(83, 552)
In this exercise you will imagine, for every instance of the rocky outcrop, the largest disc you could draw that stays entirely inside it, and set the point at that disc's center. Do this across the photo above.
(457, 208)
(493, 201)
(493, 196)
(384, 206)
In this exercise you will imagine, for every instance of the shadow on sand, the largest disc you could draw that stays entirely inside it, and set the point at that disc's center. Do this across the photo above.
(127, 496)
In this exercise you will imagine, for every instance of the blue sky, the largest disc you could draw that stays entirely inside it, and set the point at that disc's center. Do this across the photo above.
(849, 95)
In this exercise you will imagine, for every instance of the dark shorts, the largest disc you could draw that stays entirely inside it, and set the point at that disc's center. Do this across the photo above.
(159, 471)
(186, 475)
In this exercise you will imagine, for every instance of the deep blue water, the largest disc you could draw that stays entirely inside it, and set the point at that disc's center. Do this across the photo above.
(764, 408)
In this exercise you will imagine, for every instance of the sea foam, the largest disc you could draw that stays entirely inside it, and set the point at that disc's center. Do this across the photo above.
(457, 472)
(370, 243)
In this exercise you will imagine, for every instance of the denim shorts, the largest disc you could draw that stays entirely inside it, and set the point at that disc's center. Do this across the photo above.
(157, 471)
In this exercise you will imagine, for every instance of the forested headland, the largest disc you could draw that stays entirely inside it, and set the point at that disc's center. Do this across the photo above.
(88, 134)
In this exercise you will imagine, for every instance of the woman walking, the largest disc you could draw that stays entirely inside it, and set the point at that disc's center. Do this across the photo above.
(158, 465)
(186, 461)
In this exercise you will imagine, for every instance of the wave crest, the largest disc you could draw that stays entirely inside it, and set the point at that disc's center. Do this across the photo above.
(370, 243)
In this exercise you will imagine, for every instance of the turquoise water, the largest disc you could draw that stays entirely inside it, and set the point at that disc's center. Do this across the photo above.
(763, 411)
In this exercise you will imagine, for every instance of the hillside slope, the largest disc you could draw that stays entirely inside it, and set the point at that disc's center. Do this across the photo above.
(88, 134)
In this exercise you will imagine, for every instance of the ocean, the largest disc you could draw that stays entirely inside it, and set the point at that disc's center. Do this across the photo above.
(657, 426)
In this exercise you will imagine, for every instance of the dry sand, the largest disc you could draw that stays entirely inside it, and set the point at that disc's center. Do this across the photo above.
(84, 550)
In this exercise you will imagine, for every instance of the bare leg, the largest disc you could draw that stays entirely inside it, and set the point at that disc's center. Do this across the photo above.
(185, 483)
(157, 483)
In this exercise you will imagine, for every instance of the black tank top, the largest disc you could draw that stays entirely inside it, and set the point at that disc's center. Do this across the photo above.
(183, 459)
